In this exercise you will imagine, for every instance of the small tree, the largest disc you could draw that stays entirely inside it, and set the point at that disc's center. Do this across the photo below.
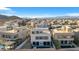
(23, 23)
(76, 41)
(57, 44)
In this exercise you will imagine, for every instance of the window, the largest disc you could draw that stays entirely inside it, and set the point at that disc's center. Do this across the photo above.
(68, 36)
(9, 37)
(3, 36)
(46, 37)
(61, 42)
(33, 43)
(64, 36)
(15, 36)
(6, 36)
(32, 32)
(59, 36)
(37, 37)
(46, 43)
(41, 32)
(70, 42)
(41, 37)
(37, 43)
(72, 36)
(65, 42)
(37, 32)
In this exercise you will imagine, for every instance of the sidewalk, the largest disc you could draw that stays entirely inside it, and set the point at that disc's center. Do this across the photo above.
(22, 44)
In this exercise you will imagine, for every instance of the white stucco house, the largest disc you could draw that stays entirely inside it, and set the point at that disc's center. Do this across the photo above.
(41, 37)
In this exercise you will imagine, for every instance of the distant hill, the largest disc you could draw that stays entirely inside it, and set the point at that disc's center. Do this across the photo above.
(5, 18)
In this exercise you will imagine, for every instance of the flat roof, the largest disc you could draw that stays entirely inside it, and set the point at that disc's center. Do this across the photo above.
(9, 31)
(76, 30)
(4, 42)
(12, 31)
(61, 31)
(38, 28)
(64, 29)
(9, 43)
(65, 39)
(44, 30)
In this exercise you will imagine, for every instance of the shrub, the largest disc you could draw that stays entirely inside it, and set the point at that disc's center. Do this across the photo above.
(57, 44)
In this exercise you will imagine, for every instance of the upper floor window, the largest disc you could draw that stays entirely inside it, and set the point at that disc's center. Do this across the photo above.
(36, 32)
(65, 36)
(41, 37)
(6, 36)
(9, 36)
(70, 42)
(15, 36)
(32, 32)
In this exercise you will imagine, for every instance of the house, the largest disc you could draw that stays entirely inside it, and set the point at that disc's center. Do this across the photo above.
(10, 35)
(64, 36)
(41, 38)
(6, 45)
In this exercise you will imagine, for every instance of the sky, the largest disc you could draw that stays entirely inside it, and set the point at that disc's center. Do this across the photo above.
(39, 11)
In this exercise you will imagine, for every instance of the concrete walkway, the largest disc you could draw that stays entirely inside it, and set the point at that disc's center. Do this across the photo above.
(22, 44)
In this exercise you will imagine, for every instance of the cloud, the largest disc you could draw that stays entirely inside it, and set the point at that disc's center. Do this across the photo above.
(48, 15)
(72, 14)
(4, 8)
(7, 11)
(35, 16)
